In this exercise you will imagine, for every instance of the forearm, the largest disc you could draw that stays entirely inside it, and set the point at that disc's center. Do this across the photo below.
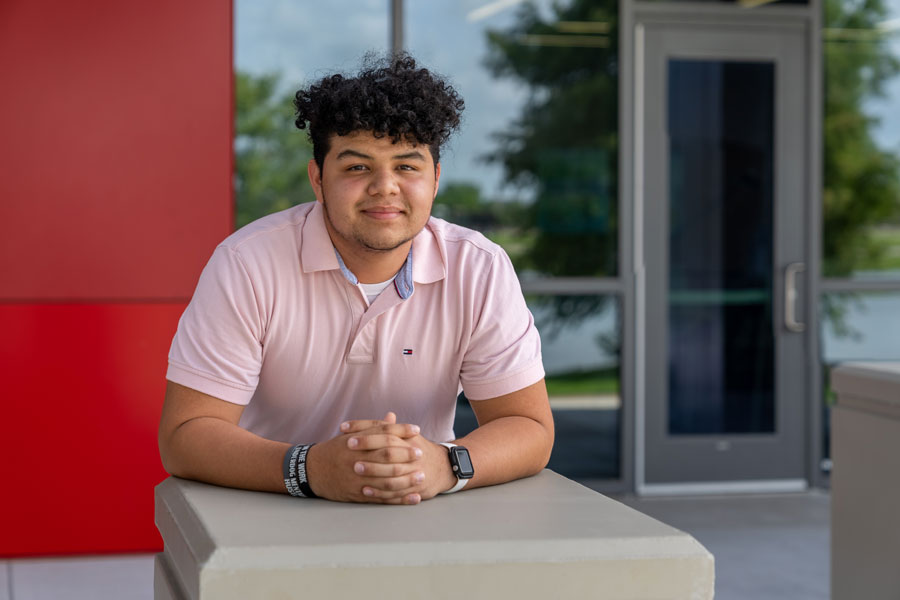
(508, 448)
(216, 451)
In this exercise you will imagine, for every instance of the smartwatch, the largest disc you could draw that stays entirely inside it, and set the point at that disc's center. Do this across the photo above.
(461, 465)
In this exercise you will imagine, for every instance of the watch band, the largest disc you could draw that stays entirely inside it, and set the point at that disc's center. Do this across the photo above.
(460, 483)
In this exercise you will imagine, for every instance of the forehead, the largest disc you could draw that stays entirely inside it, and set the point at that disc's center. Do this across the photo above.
(365, 142)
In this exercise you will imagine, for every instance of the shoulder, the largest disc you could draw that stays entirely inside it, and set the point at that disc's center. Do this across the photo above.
(274, 229)
(474, 266)
(268, 245)
(461, 244)
(266, 248)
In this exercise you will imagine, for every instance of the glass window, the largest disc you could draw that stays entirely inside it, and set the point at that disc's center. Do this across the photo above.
(856, 326)
(743, 3)
(280, 46)
(862, 139)
(721, 344)
(860, 326)
(534, 166)
(580, 337)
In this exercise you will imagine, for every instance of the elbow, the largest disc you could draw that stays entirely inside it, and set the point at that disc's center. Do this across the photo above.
(165, 456)
(169, 456)
(548, 437)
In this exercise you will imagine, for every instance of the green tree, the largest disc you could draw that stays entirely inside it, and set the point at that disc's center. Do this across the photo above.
(862, 181)
(270, 153)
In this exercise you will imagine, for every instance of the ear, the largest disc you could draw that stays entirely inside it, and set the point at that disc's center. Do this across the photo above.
(315, 178)
(437, 179)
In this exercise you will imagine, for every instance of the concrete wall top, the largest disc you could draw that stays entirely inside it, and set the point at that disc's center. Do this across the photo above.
(525, 534)
(873, 387)
(530, 519)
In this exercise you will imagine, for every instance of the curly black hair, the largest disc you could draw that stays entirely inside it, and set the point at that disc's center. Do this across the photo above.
(389, 97)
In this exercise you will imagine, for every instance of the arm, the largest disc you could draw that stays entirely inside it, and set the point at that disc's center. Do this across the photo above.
(199, 438)
(513, 440)
(514, 437)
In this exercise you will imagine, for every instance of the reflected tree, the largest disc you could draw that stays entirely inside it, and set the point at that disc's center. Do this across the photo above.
(862, 181)
(270, 154)
(563, 147)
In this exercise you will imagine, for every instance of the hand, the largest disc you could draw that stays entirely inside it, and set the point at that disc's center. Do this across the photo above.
(332, 466)
(388, 468)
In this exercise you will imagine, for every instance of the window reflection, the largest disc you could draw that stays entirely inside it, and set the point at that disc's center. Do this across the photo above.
(279, 46)
(580, 341)
(862, 139)
(581, 344)
(860, 326)
(856, 326)
(535, 165)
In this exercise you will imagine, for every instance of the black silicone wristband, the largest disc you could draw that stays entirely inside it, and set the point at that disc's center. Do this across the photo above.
(294, 470)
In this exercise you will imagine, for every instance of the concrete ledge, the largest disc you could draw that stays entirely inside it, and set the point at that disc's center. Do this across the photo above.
(865, 481)
(541, 537)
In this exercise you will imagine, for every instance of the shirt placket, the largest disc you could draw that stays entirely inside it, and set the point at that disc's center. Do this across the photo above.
(365, 338)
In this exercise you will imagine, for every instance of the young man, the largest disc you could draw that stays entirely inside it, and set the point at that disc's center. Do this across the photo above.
(325, 345)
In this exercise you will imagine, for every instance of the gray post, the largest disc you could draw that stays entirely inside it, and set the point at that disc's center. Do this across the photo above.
(396, 26)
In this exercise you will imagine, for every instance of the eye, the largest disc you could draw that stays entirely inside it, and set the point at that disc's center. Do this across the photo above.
(407, 168)
(356, 168)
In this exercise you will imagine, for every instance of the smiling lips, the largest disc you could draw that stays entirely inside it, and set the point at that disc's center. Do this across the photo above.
(383, 213)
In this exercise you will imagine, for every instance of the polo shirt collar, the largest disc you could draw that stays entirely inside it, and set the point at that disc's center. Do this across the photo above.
(317, 253)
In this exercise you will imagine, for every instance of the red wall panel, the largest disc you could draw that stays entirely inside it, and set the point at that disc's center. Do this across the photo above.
(82, 397)
(115, 186)
(115, 158)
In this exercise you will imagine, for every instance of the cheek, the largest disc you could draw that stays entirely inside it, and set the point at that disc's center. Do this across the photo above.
(423, 192)
(341, 192)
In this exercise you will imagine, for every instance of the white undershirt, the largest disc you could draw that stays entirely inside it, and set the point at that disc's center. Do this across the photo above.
(371, 290)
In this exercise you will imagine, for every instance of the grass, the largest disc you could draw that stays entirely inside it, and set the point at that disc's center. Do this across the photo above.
(888, 236)
(584, 383)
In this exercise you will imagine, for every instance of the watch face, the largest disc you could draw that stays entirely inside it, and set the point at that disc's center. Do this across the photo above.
(459, 459)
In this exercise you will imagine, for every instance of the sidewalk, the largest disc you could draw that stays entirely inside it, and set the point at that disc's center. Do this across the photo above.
(775, 547)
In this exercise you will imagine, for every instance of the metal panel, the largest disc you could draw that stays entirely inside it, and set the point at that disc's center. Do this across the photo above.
(84, 387)
(116, 161)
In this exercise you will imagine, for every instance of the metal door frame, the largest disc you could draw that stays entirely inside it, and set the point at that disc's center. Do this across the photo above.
(633, 16)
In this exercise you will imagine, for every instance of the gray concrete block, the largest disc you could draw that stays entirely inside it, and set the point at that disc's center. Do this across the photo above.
(540, 537)
(865, 482)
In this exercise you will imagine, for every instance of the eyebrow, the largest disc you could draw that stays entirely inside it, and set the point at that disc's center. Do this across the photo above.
(414, 155)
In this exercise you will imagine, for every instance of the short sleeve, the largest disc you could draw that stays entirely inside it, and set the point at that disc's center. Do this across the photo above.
(217, 348)
(504, 353)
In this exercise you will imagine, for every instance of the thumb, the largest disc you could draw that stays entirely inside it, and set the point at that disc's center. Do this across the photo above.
(391, 418)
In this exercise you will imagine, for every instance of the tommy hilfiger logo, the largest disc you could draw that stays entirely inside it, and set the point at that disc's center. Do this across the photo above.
(407, 351)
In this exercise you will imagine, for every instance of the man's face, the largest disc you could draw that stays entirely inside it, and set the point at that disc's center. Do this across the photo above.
(377, 195)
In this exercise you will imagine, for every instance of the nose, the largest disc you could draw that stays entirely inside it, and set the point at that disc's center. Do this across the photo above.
(383, 183)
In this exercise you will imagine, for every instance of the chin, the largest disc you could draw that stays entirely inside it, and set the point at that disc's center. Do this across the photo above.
(383, 246)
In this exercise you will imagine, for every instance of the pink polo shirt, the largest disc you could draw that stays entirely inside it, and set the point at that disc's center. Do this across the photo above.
(276, 325)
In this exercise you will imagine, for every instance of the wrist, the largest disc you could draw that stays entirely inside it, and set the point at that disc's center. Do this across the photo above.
(296, 479)
(460, 464)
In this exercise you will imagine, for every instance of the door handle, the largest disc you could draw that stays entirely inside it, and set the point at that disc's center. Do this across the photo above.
(790, 297)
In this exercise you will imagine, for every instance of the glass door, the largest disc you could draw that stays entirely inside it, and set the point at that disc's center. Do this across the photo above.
(724, 236)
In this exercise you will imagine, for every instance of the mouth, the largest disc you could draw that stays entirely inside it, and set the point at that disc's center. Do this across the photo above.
(383, 213)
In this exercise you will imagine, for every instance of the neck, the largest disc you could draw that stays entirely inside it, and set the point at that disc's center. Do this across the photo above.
(373, 266)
